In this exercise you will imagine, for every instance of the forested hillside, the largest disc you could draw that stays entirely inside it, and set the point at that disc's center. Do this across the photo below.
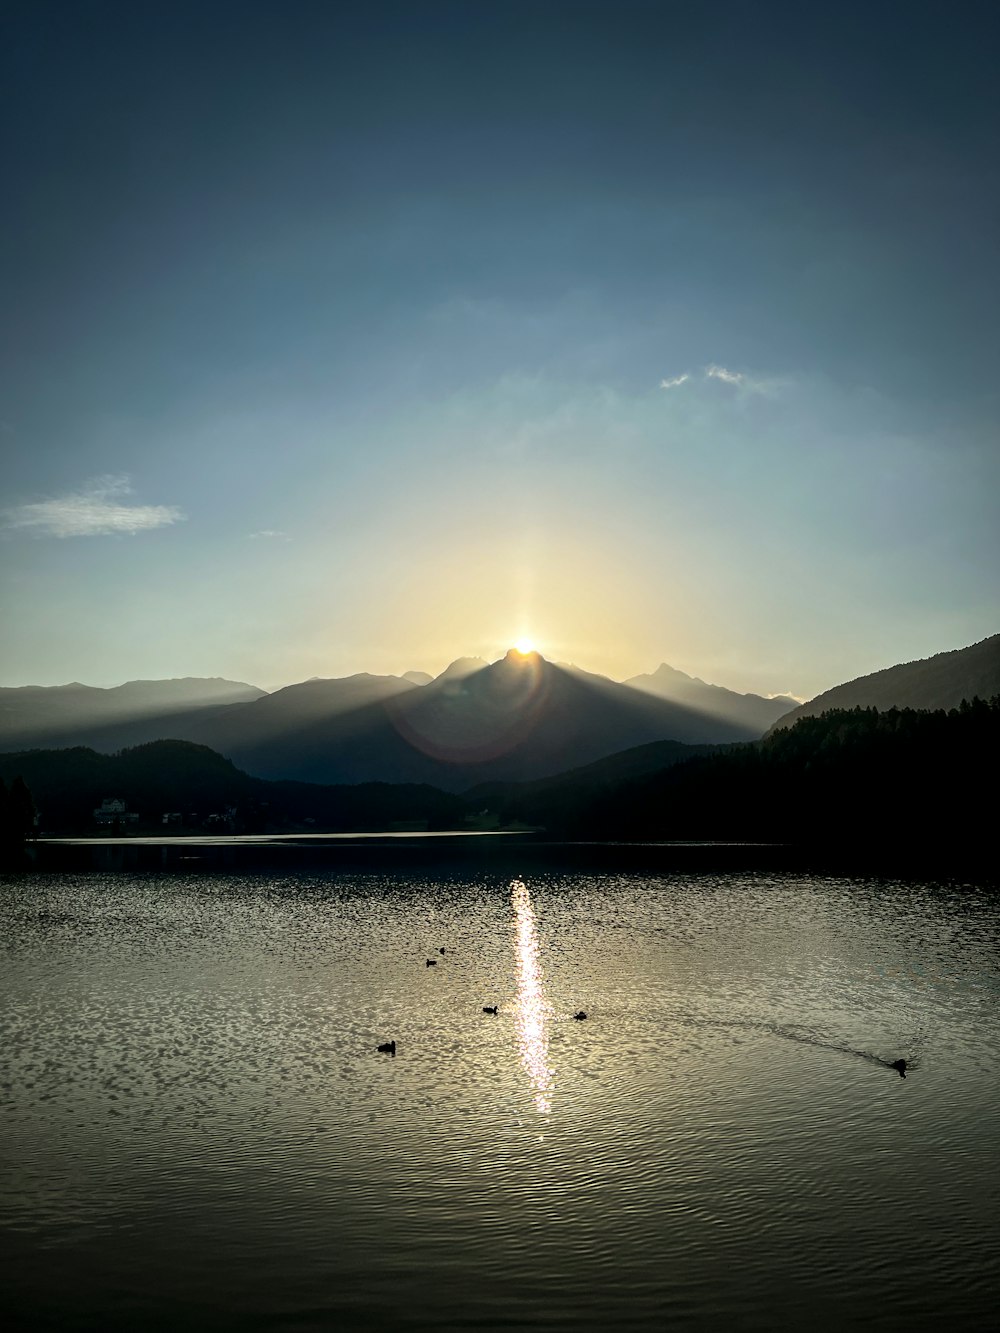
(206, 790)
(858, 776)
(942, 681)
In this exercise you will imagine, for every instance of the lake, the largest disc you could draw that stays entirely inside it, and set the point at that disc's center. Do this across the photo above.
(197, 1130)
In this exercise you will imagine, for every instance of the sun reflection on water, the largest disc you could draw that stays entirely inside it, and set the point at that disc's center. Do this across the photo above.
(532, 1007)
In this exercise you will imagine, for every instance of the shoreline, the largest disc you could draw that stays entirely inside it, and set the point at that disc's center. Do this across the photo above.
(509, 852)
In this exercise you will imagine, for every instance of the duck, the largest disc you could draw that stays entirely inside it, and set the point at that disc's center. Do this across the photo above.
(900, 1067)
(432, 962)
(579, 1014)
(388, 1048)
(491, 1008)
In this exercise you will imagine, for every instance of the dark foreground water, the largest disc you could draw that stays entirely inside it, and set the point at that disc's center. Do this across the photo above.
(197, 1132)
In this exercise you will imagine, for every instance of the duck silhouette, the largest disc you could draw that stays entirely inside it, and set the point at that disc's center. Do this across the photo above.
(491, 1008)
(900, 1067)
(579, 1014)
(432, 962)
(388, 1048)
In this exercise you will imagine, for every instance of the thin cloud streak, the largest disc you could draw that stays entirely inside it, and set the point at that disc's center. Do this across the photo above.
(739, 380)
(727, 376)
(736, 379)
(95, 511)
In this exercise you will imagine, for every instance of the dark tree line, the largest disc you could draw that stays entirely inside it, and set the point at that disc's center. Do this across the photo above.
(17, 817)
(859, 777)
(200, 785)
(852, 776)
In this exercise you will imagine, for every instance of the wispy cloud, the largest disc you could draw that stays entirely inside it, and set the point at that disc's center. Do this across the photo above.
(98, 510)
(270, 534)
(736, 379)
(740, 380)
(727, 376)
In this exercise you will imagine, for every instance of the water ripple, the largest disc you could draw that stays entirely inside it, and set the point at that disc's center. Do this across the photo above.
(196, 1122)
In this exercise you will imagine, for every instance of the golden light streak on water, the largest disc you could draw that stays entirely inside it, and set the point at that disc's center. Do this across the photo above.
(532, 1021)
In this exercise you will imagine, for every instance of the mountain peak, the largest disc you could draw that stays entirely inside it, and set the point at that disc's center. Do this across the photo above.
(519, 659)
(666, 672)
(461, 667)
(715, 701)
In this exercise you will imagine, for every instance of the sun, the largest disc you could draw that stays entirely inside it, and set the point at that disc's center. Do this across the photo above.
(524, 646)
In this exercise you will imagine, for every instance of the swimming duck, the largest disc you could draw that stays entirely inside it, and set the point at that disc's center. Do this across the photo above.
(579, 1014)
(900, 1067)
(432, 962)
(491, 1008)
(388, 1048)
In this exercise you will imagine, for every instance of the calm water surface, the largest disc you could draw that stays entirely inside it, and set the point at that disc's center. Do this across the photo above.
(196, 1129)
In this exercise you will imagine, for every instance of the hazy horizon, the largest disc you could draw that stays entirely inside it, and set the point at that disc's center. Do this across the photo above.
(279, 685)
(361, 338)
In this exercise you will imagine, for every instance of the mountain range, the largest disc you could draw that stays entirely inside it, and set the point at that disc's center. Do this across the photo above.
(518, 719)
(753, 710)
(53, 714)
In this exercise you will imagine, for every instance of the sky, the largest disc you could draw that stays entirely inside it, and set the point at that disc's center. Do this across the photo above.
(361, 337)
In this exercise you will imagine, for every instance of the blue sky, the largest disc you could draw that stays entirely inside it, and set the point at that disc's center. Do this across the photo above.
(361, 337)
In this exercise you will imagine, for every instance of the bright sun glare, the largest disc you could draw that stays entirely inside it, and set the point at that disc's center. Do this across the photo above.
(525, 646)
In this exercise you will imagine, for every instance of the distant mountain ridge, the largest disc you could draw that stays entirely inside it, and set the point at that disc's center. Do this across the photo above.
(519, 719)
(747, 710)
(941, 681)
(516, 719)
(54, 714)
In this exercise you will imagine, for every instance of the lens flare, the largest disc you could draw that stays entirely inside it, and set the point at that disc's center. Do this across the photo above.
(532, 1020)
